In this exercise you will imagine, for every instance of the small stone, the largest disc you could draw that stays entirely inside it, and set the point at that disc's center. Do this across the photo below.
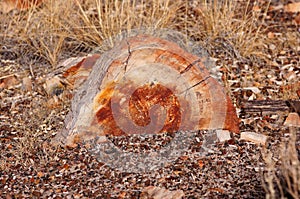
(223, 135)
(290, 75)
(297, 19)
(153, 192)
(274, 117)
(54, 86)
(254, 137)
(272, 47)
(292, 7)
(271, 35)
(27, 84)
(53, 102)
(255, 90)
(293, 119)
(8, 81)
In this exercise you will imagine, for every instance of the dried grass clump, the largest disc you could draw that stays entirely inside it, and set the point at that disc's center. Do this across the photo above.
(227, 26)
(74, 26)
(282, 179)
(61, 28)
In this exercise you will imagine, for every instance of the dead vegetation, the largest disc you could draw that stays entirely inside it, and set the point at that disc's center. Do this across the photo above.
(51, 33)
(35, 40)
(282, 173)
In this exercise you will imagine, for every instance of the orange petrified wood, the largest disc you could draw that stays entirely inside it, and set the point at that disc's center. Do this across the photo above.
(8, 5)
(148, 85)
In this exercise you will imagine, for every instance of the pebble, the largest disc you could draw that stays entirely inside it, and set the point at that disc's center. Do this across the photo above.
(153, 192)
(27, 84)
(254, 137)
(293, 120)
(223, 135)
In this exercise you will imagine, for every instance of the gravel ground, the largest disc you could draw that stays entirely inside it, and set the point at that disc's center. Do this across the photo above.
(31, 168)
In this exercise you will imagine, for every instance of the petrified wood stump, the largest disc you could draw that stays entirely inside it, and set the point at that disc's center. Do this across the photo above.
(148, 85)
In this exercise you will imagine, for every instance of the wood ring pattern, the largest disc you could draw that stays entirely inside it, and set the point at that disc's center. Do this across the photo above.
(145, 71)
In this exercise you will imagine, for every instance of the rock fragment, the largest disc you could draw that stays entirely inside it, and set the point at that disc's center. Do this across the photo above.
(223, 135)
(8, 81)
(293, 120)
(26, 84)
(254, 137)
(54, 86)
(153, 192)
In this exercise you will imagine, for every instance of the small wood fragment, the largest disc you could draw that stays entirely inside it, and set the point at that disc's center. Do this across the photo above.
(73, 74)
(259, 106)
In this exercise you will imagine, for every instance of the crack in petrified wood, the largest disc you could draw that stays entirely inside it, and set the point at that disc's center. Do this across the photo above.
(190, 66)
(197, 84)
(129, 55)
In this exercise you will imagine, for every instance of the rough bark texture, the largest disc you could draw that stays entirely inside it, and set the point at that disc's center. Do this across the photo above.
(148, 85)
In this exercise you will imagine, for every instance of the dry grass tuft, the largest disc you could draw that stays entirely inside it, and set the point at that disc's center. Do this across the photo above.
(283, 180)
(61, 28)
(228, 26)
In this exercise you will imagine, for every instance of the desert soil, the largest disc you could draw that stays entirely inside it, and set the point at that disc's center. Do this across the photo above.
(31, 168)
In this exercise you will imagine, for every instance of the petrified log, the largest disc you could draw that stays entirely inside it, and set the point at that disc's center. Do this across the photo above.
(148, 85)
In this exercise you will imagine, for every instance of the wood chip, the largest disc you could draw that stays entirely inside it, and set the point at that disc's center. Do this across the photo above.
(77, 73)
